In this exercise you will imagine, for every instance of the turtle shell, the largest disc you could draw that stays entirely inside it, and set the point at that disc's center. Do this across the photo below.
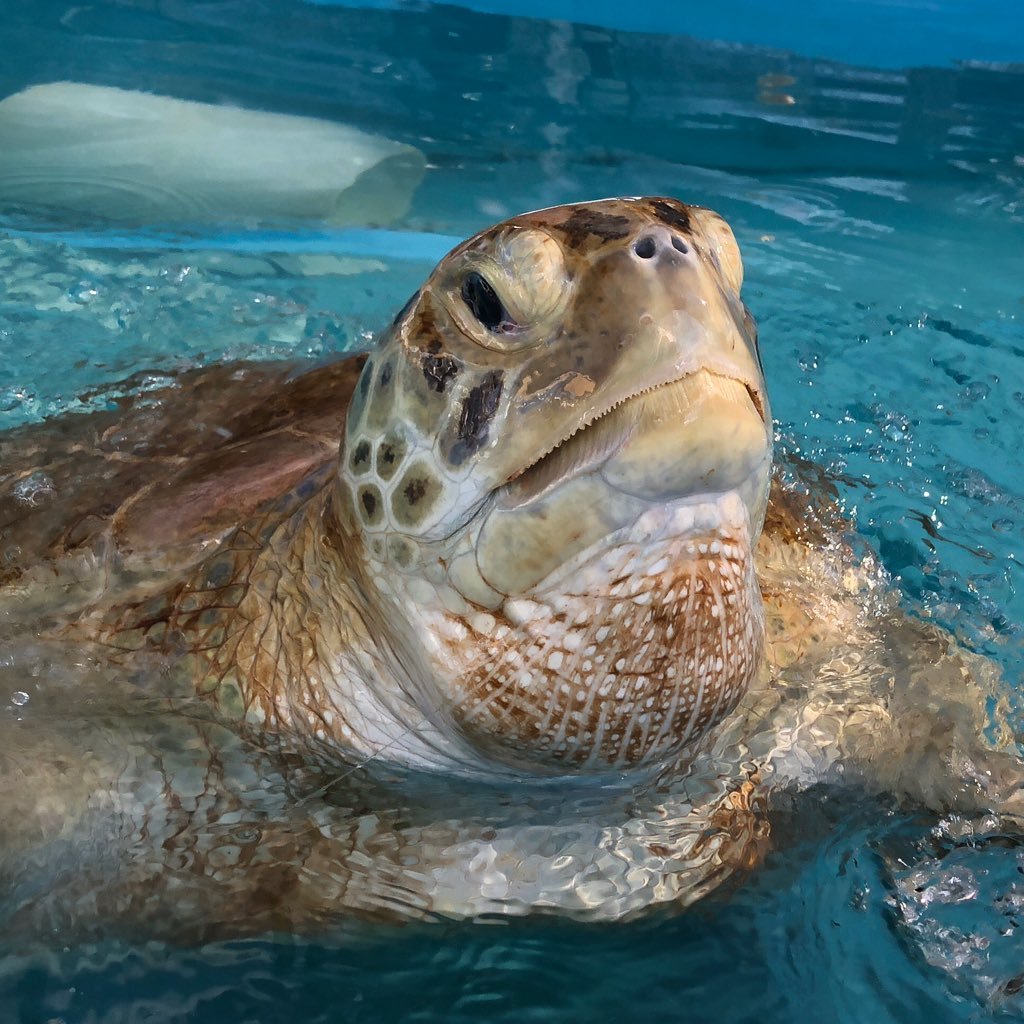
(98, 507)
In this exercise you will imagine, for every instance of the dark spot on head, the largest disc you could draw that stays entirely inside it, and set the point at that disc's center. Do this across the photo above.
(672, 214)
(414, 490)
(361, 457)
(423, 324)
(415, 495)
(438, 370)
(370, 504)
(679, 245)
(585, 222)
(390, 453)
(475, 418)
(385, 374)
(400, 551)
(364, 379)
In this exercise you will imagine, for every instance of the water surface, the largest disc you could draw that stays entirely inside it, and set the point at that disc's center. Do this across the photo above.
(880, 206)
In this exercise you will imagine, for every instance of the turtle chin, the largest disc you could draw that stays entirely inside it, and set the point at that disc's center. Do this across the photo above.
(689, 442)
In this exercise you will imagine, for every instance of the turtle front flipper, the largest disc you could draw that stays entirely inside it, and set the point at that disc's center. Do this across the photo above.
(138, 822)
(857, 688)
(950, 744)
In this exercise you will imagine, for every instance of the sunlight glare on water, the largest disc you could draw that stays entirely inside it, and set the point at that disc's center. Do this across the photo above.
(880, 209)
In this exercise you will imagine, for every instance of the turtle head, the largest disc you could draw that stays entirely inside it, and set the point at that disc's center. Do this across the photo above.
(562, 383)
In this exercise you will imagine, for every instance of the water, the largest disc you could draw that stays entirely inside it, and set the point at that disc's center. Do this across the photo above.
(880, 206)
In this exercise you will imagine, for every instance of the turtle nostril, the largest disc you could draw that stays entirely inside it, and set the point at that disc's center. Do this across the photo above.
(645, 247)
(680, 245)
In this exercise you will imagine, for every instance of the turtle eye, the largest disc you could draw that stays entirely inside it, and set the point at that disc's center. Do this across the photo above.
(484, 304)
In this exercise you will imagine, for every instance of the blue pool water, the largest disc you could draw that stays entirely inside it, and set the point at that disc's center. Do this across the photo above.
(870, 157)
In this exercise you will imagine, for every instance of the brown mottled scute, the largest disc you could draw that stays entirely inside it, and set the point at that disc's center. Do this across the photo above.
(534, 534)
(96, 508)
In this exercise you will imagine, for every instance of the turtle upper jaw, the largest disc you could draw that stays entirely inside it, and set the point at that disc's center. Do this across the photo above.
(645, 443)
(684, 442)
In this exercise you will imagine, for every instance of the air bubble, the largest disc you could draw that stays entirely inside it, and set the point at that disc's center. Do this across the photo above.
(83, 292)
(16, 399)
(977, 391)
(33, 488)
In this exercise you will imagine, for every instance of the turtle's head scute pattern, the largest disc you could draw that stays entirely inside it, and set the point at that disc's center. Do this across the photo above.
(525, 335)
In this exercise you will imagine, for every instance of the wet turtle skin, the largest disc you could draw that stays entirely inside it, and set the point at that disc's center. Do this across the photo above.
(509, 615)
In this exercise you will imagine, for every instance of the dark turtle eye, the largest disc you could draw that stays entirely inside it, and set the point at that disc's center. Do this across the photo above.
(484, 303)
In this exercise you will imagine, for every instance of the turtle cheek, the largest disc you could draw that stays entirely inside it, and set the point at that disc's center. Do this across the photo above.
(520, 547)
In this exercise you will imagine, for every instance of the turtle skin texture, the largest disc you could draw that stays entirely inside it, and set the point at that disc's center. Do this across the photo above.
(238, 717)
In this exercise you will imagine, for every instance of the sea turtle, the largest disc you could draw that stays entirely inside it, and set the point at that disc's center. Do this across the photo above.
(518, 646)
